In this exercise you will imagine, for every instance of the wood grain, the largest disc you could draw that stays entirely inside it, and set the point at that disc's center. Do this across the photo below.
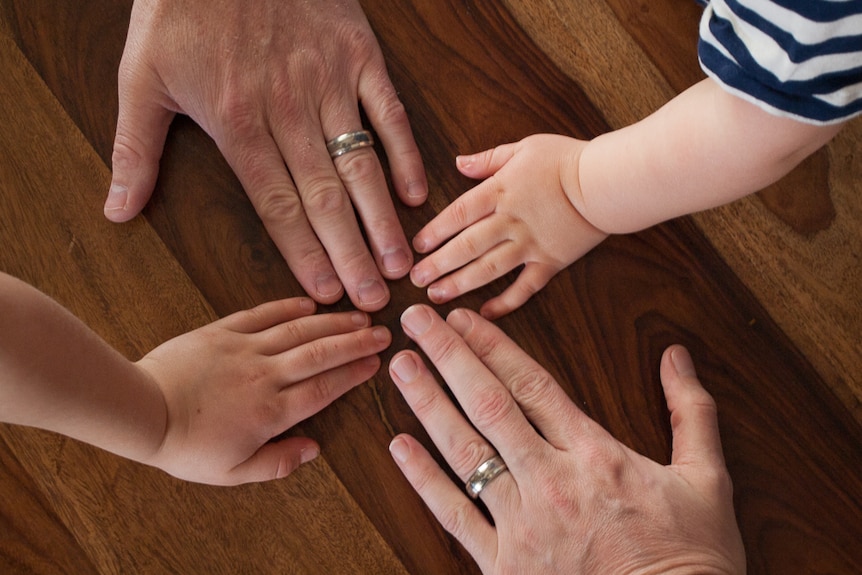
(472, 75)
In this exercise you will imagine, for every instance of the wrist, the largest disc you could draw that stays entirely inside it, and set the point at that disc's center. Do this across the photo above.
(571, 166)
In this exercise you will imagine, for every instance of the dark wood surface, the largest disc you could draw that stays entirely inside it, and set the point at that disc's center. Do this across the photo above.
(764, 293)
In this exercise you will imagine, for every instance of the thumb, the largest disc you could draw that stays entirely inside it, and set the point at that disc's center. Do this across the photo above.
(276, 460)
(693, 413)
(485, 164)
(142, 126)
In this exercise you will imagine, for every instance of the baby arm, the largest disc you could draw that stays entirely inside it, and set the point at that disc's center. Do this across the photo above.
(704, 148)
(203, 406)
(548, 200)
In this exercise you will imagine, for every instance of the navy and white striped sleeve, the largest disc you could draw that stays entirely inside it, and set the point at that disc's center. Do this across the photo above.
(795, 58)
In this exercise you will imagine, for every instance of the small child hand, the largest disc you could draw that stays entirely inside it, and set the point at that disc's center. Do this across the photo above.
(519, 215)
(233, 385)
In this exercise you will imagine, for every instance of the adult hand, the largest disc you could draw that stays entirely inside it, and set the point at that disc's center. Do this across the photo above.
(271, 82)
(573, 500)
(520, 215)
(233, 385)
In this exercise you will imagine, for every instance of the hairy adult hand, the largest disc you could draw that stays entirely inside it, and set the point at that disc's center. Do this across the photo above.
(271, 82)
(232, 386)
(573, 499)
(520, 215)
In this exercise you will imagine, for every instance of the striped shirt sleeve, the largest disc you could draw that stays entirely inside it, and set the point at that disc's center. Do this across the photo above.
(796, 58)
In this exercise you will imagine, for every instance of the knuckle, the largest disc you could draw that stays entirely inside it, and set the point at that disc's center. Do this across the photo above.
(491, 407)
(321, 391)
(531, 385)
(719, 479)
(454, 519)
(425, 405)
(255, 375)
(275, 207)
(466, 456)
(359, 167)
(268, 412)
(126, 153)
(390, 109)
(560, 496)
(608, 465)
(460, 213)
(490, 267)
(291, 332)
(237, 111)
(317, 352)
(357, 40)
(324, 198)
(444, 349)
(467, 244)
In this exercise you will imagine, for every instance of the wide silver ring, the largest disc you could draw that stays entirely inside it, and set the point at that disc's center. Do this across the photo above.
(348, 142)
(484, 475)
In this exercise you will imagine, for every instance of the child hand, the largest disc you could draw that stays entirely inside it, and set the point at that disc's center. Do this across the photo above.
(233, 385)
(520, 215)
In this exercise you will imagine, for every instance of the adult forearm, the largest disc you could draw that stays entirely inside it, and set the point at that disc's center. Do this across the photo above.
(704, 148)
(57, 374)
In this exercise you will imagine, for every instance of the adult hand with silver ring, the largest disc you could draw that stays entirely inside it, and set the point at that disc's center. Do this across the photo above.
(272, 81)
(572, 499)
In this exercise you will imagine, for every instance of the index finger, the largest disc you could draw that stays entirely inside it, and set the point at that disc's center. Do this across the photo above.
(486, 401)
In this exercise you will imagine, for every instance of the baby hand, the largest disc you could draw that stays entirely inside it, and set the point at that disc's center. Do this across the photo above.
(520, 215)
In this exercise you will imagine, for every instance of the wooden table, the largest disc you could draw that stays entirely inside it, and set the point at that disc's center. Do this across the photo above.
(765, 293)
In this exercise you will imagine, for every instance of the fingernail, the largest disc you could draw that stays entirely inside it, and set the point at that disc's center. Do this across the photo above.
(416, 320)
(399, 450)
(464, 161)
(117, 198)
(381, 334)
(396, 261)
(308, 454)
(371, 292)
(420, 245)
(418, 277)
(682, 362)
(437, 294)
(359, 319)
(405, 368)
(460, 321)
(416, 190)
(328, 286)
(306, 304)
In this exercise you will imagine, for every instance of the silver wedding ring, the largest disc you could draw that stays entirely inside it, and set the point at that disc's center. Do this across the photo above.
(348, 142)
(484, 475)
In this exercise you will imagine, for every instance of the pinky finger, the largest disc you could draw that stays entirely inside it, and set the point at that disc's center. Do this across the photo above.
(531, 279)
(449, 504)
(275, 460)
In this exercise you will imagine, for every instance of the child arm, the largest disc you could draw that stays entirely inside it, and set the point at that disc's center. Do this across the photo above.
(204, 406)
